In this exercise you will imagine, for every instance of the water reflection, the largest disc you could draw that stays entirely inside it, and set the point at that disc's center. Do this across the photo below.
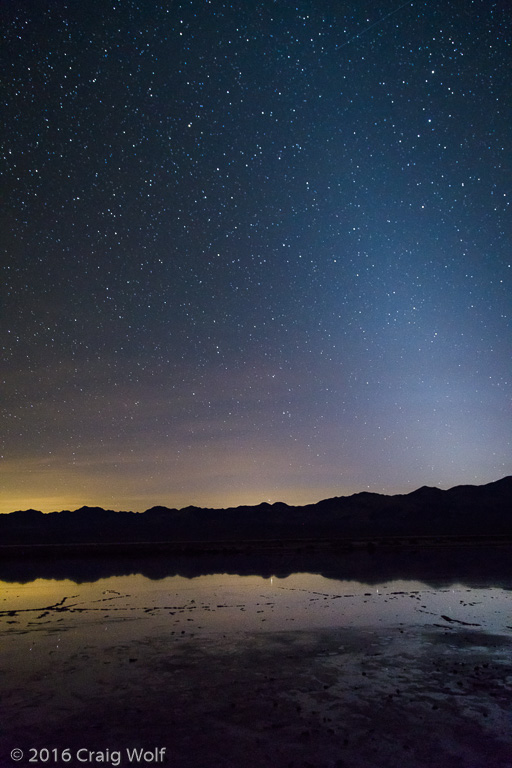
(116, 654)
(184, 651)
(437, 567)
(134, 606)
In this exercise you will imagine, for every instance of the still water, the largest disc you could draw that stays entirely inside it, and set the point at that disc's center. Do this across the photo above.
(63, 614)
(56, 608)
(239, 664)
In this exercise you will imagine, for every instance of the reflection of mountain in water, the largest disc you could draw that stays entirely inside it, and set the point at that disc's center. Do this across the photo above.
(464, 510)
(473, 566)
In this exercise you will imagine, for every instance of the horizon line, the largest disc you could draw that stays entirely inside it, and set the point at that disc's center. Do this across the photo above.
(261, 503)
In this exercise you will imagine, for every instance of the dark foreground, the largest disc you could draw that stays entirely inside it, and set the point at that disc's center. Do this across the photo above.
(418, 697)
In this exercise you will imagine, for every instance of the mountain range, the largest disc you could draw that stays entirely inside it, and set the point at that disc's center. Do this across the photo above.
(465, 510)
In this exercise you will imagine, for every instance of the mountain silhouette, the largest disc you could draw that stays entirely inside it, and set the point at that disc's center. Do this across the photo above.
(465, 510)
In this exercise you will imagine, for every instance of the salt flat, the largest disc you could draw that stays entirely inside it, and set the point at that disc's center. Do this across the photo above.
(246, 671)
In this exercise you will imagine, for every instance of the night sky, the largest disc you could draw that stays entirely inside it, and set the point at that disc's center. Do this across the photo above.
(254, 250)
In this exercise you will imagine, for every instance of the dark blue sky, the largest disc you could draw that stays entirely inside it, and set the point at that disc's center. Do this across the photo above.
(254, 250)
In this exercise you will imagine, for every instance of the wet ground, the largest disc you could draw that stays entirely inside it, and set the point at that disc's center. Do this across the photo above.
(289, 672)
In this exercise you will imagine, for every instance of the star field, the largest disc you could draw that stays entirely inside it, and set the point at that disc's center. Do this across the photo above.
(254, 251)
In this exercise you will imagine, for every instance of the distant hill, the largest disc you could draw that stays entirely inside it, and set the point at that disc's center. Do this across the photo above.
(465, 510)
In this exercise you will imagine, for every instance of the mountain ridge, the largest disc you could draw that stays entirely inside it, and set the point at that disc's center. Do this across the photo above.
(467, 510)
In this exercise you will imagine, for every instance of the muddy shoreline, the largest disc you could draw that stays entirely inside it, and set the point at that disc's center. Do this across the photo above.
(248, 546)
(226, 670)
(331, 698)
